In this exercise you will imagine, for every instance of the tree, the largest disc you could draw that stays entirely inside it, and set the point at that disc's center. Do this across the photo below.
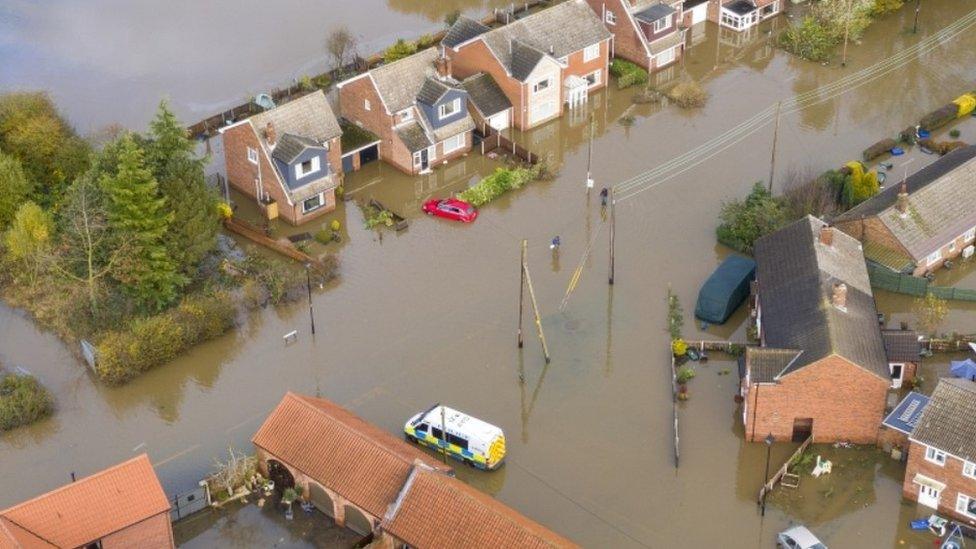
(743, 222)
(930, 311)
(400, 49)
(167, 142)
(15, 188)
(28, 239)
(451, 17)
(138, 216)
(341, 44)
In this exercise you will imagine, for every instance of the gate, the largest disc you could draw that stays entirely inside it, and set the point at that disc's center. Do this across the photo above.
(187, 503)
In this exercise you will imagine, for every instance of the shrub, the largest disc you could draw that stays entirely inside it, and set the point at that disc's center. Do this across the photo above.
(859, 185)
(679, 347)
(400, 49)
(321, 81)
(744, 222)
(880, 7)
(627, 73)
(809, 39)
(685, 374)
(323, 235)
(500, 182)
(688, 95)
(224, 210)
(23, 400)
(305, 83)
(676, 316)
(335, 225)
(954, 134)
(425, 41)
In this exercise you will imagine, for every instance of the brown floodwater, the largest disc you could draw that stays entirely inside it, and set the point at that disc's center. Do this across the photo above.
(429, 315)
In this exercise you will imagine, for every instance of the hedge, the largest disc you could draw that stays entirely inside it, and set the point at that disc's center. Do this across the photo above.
(23, 400)
(627, 73)
(149, 342)
(497, 184)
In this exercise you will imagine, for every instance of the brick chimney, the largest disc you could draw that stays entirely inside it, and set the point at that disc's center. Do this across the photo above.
(827, 235)
(270, 134)
(443, 65)
(839, 297)
(901, 204)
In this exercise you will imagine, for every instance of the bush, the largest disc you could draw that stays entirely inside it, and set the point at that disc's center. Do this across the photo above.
(808, 39)
(744, 222)
(23, 400)
(688, 95)
(627, 73)
(151, 341)
(425, 41)
(859, 185)
(500, 182)
(323, 235)
(685, 374)
(679, 347)
(400, 49)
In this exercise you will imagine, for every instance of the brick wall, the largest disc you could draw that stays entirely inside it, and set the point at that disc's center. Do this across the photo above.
(950, 474)
(872, 229)
(152, 533)
(845, 401)
(335, 156)
(352, 98)
(581, 68)
(476, 57)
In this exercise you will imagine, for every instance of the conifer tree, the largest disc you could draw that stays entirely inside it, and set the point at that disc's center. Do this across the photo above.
(15, 188)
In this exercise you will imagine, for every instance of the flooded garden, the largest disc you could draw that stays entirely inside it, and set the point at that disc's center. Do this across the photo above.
(428, 314)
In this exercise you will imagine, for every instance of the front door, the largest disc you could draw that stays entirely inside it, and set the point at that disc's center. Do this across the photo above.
(928, 496)
(897, 374)
(424, 160)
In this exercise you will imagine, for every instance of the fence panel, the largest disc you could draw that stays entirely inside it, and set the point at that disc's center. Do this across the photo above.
(900, 283)
(187, 503)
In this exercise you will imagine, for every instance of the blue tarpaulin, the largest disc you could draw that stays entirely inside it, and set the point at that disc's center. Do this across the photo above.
(726, 289)
(965, 369)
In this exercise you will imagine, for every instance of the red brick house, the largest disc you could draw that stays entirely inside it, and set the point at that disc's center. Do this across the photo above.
(122, 506)
(917, 226)
(740, 15)
(288, 158)
(646, 32)
(820, 368)
(941, 470)
(903, 352)
(543, 62)
(416, 109)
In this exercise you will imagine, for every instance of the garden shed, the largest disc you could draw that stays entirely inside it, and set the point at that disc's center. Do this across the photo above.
(726, 289)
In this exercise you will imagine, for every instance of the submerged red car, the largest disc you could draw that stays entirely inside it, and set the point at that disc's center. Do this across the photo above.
(451, 208)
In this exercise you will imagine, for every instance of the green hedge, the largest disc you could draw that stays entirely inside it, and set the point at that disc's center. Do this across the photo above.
(151, 341)
(627, 73)
(23, 400)
(497, 184)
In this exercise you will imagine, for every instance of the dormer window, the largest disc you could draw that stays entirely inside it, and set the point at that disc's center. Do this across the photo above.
(449, 109)
(406, 115)
(307, 167)
(662, 24)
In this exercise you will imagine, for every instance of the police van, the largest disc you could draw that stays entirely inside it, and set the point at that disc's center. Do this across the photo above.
(467, 439)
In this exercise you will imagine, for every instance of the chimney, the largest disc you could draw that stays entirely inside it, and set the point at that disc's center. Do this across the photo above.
(552, 50)
(839, 298)
(827, 235)
(443, 65)
(270, 134)
(902, 202)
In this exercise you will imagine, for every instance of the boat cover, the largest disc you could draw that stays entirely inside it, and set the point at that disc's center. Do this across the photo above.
(726, 289)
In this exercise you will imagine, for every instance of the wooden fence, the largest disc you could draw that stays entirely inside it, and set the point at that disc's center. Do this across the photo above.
(956, 343)
(257, 235)
(886, 279)
(771, 483)
(494, 140)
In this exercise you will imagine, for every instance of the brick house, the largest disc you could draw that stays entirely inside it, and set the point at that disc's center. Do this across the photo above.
(490, 108)
(416, 109)
(915, 227)
(122, 506)
(740, 15)
(903, 352)
(941, 469)
(437, 511)
(820, 368)
(900, 422)
(646, 32)
(542, 62)
(288, 158)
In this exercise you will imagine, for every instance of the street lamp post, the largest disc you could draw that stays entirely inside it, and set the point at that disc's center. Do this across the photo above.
(769, 440)
(308, 284)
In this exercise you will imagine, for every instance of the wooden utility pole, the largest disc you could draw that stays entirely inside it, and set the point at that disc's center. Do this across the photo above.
(589, 159)
(772, 158)
(847, 32)
(521, 291)
(535, 308)
(613, 223)
(444, 433)
(308, 282)
(918, 8)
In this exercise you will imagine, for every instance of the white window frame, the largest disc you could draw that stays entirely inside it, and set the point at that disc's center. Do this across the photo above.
(320, 196)
(316, 165)
(610, 18)
(366, 105)
(545, 83)
(952, 247)
(458, 143)
(591, 52)
(252, 155)
(597, 78)
(416, 159)
(969, 469)
(455, 106)
(665, 24)
(970, 234)
(934, 455)
(962, 505)
(934, 257)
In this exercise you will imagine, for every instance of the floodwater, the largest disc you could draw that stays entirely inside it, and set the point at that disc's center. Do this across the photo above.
(429, 315)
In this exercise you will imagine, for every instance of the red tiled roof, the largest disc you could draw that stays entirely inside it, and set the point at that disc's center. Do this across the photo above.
(361, 462)
(440, 511)
(87, 510)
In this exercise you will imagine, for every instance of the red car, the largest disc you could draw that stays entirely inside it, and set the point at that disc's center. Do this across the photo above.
(451, 208)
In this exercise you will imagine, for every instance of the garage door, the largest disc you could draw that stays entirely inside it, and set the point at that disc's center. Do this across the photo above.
(499, 121)
(699, 13)
(542, 111)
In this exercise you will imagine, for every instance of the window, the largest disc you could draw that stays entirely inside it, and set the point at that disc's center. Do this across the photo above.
(366, 105)
(662, 24)
(406, 115)
(952, 247)
(438, 434)
(969, 469)
(664, 57)
(449, 109)
(313, 203)
(970, 234)
(252, 155)
(591, 52)
(540, 85)
(457, 441)
(610, 18)
(934, 455)
(452, 143)
(934, 258)
(307, 167)
(416, 159)
(966, 505)
(594, 78)
(422, 428)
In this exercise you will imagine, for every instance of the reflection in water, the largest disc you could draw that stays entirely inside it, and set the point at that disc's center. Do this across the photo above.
(436, 11)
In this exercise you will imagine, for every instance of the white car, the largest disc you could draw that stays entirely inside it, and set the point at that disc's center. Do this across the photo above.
(799, 537)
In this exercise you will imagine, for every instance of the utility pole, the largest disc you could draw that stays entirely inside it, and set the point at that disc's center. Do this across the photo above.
(444, 434)
(772, 159)
(847, 31)
(308, 284)
(918, 8)
(613, 223)
(535, 308)
(521, 291)
(589, 159)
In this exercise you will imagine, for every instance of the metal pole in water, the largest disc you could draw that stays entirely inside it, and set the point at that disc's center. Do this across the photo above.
(772, 158)
(589, 159)
(918, 8)
(444, 435)
(613, 224)
(308, 285)
(521, 291)
(769, 445)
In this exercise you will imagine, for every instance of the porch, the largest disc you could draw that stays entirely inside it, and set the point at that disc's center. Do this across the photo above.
(741, 15)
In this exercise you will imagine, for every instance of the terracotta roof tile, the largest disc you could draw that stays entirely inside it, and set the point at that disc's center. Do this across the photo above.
(361, 462)
(438, 511)
(87, 510)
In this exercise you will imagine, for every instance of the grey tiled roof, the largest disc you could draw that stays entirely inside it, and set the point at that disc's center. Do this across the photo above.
(462, 30)
(523, 60)
(940, 204)
(766, 364)
(309, 116)
(465, 124)
(414, 137)
(432, 90)
(948, 420)
(667, 42)
(796, 275)
(313, 188)
(290, 146)
(485, 94)
(901, 345)
(563, 29)
(654, 12)
(398, 83)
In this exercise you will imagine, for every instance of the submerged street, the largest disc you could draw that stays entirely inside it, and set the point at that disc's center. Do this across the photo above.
(429, 315)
